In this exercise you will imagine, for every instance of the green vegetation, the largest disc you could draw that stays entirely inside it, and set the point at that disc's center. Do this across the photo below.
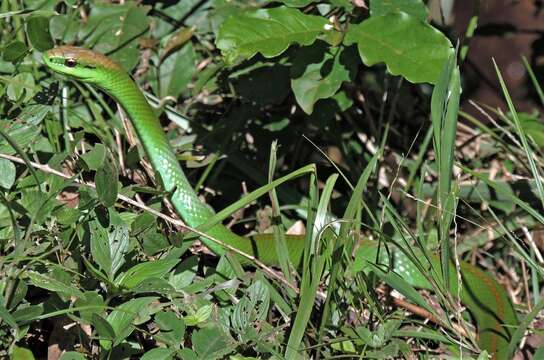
(324, 119)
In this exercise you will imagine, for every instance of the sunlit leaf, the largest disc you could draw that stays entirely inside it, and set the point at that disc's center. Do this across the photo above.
(408, 46)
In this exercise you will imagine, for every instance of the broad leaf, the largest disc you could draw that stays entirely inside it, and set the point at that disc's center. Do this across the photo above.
(106, 183)
(143, 271)
(49, 283)
(108, 248)
(122, 319)
(415, 8)
(210, 343)
(115, 29)
(318, 74)
(7, 171)
(14, 51)
(409, 47)
(21, 87)
(158, 354)
(96, 157)
(176, 71)
(38, 33)
(269, 31)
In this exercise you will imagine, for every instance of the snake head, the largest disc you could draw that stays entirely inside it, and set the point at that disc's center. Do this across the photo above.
(82, 64)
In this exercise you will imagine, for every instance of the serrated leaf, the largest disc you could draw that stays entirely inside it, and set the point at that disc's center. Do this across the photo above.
(319, 74)
(7, 171)
(415, 8)
(409, 47)
(278, 28)
(108, 248)
(38, 33)
(143, 271)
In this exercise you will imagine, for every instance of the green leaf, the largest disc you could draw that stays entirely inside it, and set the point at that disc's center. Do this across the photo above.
(28, 314)
(8, 318)
(210, 343)
(201, 315)
(278, 28)
(14, 51)
(116, 29)
(108, 248)
(49, 283)
(72, 355)
(64, 28)
(38, 204)
(90, 298)
(19, 353)
(533, 127)
(19, 85)
(318, 74)
(143, 271)
(7, 171)
(154, 285)
(103, 327)
(106, 183)
(38, 33)
(177, 70)
(539, 354)
(158, 354)
(409, 47)
(297, 3)
(95, 157)
(415, 8)
(172, 327)
(135, 311)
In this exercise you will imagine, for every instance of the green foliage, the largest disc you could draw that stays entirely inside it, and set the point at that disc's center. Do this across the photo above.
(227, 78)
(408, 46)
(278, 28)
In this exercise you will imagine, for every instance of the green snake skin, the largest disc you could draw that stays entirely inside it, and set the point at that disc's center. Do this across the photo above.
(481, 294)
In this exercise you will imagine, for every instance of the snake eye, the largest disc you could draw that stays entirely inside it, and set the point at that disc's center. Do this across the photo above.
(70, 62)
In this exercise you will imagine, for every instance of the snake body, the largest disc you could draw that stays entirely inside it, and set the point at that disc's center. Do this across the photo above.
(484, 297)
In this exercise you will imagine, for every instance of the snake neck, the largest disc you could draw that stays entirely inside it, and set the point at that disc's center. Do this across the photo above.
(157, 148)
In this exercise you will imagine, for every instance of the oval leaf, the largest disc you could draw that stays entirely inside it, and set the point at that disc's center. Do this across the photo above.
(319, 74)
(409, 47)
(416, 8)
(106, 183)
(277, 29)
(38, 33)
(7, 169)
(143, 271)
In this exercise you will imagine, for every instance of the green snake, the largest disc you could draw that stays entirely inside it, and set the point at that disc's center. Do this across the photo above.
(480, 293)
